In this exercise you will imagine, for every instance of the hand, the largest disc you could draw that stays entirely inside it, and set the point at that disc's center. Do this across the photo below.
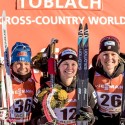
(40, 62)
(40, 120)
(3, 114)
(86, 113)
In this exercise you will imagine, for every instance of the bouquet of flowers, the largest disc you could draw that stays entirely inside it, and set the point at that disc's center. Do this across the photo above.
(58, 99)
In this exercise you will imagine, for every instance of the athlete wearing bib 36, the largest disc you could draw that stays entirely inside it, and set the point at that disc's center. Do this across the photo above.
(106, 75)
(66, 78)
(22, 83)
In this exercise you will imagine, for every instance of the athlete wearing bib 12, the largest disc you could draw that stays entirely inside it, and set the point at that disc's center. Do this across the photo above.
(106, 75)
(66, 78)
(22, 83)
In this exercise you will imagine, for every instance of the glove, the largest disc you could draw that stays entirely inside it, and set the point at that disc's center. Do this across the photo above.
(43, 121)
(40, 121)
(86, 113)
(122, 121)
(40, 62)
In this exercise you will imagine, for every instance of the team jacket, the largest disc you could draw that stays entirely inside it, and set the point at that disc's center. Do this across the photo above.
(23, 93)
(67, 114)
(108, 88)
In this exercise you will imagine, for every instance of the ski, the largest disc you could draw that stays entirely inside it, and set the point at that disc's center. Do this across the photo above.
(122, 116)
(8, 81)
(3, 104)
(1, 80)
(82, 81)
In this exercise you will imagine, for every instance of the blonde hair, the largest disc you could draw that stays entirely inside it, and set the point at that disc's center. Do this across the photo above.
(98, 62)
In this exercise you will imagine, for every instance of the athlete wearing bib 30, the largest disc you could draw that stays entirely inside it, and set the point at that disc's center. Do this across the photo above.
(22, 83)
(106, 75)
(66, 77)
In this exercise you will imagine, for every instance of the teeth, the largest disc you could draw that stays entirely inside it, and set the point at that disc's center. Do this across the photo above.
(109, 62)
(68, 72)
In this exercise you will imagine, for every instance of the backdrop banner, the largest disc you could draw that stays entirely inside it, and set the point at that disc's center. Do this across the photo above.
(36, 22)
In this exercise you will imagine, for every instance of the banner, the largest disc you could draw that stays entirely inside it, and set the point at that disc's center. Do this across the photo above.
(36, 22)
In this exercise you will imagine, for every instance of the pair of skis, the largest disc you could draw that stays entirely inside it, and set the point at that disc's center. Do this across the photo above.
(82, 83)
(82, 78)
(8, 102)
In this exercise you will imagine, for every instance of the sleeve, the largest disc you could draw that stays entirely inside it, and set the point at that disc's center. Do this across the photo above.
(36, 109)
(36, 106)
(92, 96)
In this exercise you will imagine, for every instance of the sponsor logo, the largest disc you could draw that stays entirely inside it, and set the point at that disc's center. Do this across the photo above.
(69, 51)
(72, 100)
(107, 86)
(109, 43)
(80, 61)
(22, 91)
(22, 54)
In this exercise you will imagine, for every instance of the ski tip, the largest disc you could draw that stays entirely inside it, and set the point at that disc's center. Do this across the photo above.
(86, 26)
(80, 26)
(54, 40)
(3, 13)
(86, 31)
(80, 31)
(4, 17)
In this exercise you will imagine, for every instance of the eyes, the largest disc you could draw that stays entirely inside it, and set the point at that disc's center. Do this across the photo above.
(106, 54)
(113, 54)
(18, 64)
(70, 64)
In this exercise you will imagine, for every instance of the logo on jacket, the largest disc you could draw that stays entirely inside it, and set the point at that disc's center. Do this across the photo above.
(107, 86)
(20, 91)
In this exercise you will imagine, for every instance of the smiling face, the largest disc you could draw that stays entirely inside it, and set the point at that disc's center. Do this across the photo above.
(21, 68)
(68, 70)
(109, 60)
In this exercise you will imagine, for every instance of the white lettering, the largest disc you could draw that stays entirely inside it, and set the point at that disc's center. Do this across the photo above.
(95, 2)
(107, 87)
(40, 20)
(70, 3)
(48, 4)
(85, 59)
(58, 4)
(35, 6)
(22, 4)
(82, 6)
(21, 91)
(80, 61)
(106, 20)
